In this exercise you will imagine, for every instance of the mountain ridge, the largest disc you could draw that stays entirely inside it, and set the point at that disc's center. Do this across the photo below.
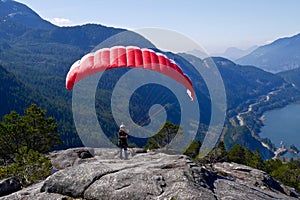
(22, 14)
(280, 55)
(234, 53)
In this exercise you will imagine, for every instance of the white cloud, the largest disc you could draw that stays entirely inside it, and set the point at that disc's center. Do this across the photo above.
(279, 37)
(60, 21)
(268, 41)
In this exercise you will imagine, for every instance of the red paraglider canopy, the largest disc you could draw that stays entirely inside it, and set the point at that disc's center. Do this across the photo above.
(119, 56)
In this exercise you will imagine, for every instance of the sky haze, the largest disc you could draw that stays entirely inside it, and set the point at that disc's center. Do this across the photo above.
(215, 25)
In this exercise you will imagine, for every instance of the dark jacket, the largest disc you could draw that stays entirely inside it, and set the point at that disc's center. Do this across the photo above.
(123, 138)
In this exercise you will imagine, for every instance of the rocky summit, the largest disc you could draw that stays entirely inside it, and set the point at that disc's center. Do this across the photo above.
(86, 173)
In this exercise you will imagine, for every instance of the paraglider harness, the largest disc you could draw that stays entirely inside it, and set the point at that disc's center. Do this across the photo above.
(122, 141)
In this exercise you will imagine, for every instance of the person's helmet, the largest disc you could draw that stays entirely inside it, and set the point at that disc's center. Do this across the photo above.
(122, 126)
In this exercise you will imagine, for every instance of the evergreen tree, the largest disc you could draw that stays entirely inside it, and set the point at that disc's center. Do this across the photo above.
(256, 161)
(193, 149)
(287, 175)
(222, 153)
(33, 130)
(247, 157)
(41, 131)
(164, 136)
(237, 154)
(23, 142)
(272, 164)
(29, 167)
(217, 154)
(11, 135)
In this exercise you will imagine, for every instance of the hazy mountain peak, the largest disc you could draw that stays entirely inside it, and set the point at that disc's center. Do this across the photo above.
(280, 55)
(234, 53)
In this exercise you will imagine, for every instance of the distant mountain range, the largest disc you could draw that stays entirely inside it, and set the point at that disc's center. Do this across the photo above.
(231, 53)
(281, 55)
(36, 55)
(234, 53)
(278, 56)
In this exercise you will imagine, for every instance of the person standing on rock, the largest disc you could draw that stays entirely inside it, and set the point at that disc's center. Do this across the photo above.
(123, 135)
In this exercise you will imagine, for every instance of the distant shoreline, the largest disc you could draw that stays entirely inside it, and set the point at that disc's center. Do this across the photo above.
(287, 137)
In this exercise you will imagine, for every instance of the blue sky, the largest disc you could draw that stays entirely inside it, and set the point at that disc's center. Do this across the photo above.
(214, 24)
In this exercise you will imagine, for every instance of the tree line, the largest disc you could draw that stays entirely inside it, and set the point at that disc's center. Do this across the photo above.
(286, 172)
